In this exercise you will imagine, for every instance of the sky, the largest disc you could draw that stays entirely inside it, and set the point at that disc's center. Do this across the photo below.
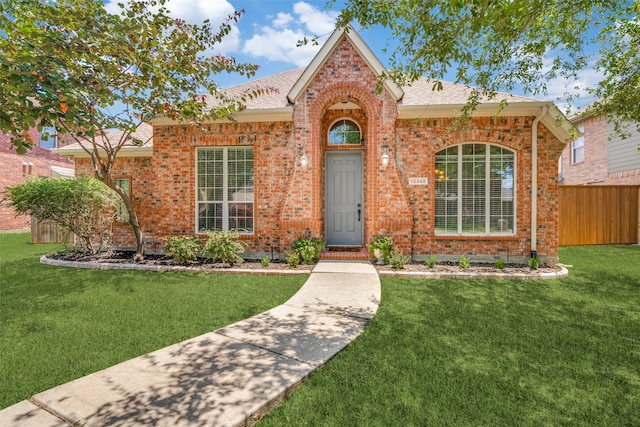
(268, 32)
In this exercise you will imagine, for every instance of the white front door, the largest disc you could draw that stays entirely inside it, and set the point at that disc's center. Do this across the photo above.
(343, 196)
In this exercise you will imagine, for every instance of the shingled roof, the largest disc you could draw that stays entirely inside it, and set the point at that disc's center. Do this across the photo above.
(419, 93)
(144, 133)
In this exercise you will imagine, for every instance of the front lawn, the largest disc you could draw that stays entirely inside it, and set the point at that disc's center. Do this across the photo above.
(490, 352)
(58, 324)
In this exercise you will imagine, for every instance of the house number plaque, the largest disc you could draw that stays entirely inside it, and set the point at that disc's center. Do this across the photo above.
(418, 181)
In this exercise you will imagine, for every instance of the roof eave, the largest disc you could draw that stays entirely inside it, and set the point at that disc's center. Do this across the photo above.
(554, 120)
(124, 152)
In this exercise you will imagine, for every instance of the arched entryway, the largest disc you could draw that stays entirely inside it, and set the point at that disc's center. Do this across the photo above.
(343, 141)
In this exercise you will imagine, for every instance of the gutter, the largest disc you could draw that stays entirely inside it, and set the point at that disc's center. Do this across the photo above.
(534, 181)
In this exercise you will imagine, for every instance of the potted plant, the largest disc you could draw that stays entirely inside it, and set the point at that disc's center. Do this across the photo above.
(380, 248)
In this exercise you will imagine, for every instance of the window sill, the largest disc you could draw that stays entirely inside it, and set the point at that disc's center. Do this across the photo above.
(476, 237)
(240, 235)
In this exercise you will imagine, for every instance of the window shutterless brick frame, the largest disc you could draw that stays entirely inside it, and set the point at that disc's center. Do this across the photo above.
(289, 200)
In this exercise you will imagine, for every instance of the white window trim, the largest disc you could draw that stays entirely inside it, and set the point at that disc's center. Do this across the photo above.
(225, 185)
(487, 207)
(579, 140)
(574, 147)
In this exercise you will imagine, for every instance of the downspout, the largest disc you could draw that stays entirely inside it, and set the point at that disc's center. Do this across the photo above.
(534, 182)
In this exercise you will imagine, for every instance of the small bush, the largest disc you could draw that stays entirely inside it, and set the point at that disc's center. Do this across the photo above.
(500, 264)
(533, 263)
(84, 205)
(265, 262)
(398, 260)
(383, 243)
(224, 246)
(309, 249)
(464, 262)
(293, 259)
(430, 262)
(183, 249)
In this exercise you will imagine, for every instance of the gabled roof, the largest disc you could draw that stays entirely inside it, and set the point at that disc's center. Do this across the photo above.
(144, 132)
(327, 49)
(418, 100)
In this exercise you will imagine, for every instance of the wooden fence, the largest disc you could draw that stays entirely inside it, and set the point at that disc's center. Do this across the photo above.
(48, 232)
(598, 214)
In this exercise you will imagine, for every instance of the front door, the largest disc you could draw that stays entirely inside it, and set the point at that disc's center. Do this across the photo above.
(344, 211)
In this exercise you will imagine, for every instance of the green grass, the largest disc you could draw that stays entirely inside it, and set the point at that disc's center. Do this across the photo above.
(58, 324)
(490, 352)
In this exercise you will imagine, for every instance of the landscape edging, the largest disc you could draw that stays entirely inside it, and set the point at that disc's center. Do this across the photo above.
(405, 274)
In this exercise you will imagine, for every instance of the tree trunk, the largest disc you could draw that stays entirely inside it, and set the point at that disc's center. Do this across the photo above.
(133, 217)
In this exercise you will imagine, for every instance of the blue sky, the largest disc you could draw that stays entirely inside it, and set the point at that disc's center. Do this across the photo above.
(267, 35)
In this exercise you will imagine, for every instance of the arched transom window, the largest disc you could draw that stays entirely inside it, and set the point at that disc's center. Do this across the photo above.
(474, 190)
(345, 131)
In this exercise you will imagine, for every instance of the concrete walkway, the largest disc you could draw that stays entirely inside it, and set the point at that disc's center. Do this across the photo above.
(229, 377)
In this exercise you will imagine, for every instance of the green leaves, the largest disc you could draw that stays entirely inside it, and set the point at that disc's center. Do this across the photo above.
(76, 53)
(73, 66)
(84, 205)
(503, 45)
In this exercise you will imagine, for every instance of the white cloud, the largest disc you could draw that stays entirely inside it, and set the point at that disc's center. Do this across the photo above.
(282, 19)
(280, 45)
(277, 40)
(560, 88)
(195, 12)
(316, 21)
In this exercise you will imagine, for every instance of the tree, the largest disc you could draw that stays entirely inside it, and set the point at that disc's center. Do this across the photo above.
(502, 45)
(70, 64)
(83, 205)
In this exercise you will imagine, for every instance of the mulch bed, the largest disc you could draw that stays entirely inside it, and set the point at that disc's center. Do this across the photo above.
(450, 267)
(126, 257)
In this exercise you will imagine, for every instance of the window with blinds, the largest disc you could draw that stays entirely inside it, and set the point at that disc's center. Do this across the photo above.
(474, 190)
(224, 191)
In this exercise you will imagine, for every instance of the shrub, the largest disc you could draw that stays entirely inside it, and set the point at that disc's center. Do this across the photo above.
(293, 259)
(84, 205)
(224, 246)
(464, 262)
(398, 260)
(265, 262)
(430, 262)
(309, 249)
(533, 263)
(500, 264)
(384, 243)
(183, 249)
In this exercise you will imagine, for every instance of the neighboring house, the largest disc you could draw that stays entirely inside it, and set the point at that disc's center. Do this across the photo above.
(16, 168)
(328, 155)
(600, 158)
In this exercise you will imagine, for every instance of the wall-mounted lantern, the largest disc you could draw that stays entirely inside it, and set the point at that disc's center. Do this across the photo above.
(385, 158)
(304, 161)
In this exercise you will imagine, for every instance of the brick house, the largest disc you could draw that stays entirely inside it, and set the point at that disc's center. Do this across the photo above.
(600, 158)
(328, 155)
(16, 168)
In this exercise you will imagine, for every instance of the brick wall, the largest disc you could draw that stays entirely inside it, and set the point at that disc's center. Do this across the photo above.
(16, 168)
(593, 170)
(419, 140)
(289, 200)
